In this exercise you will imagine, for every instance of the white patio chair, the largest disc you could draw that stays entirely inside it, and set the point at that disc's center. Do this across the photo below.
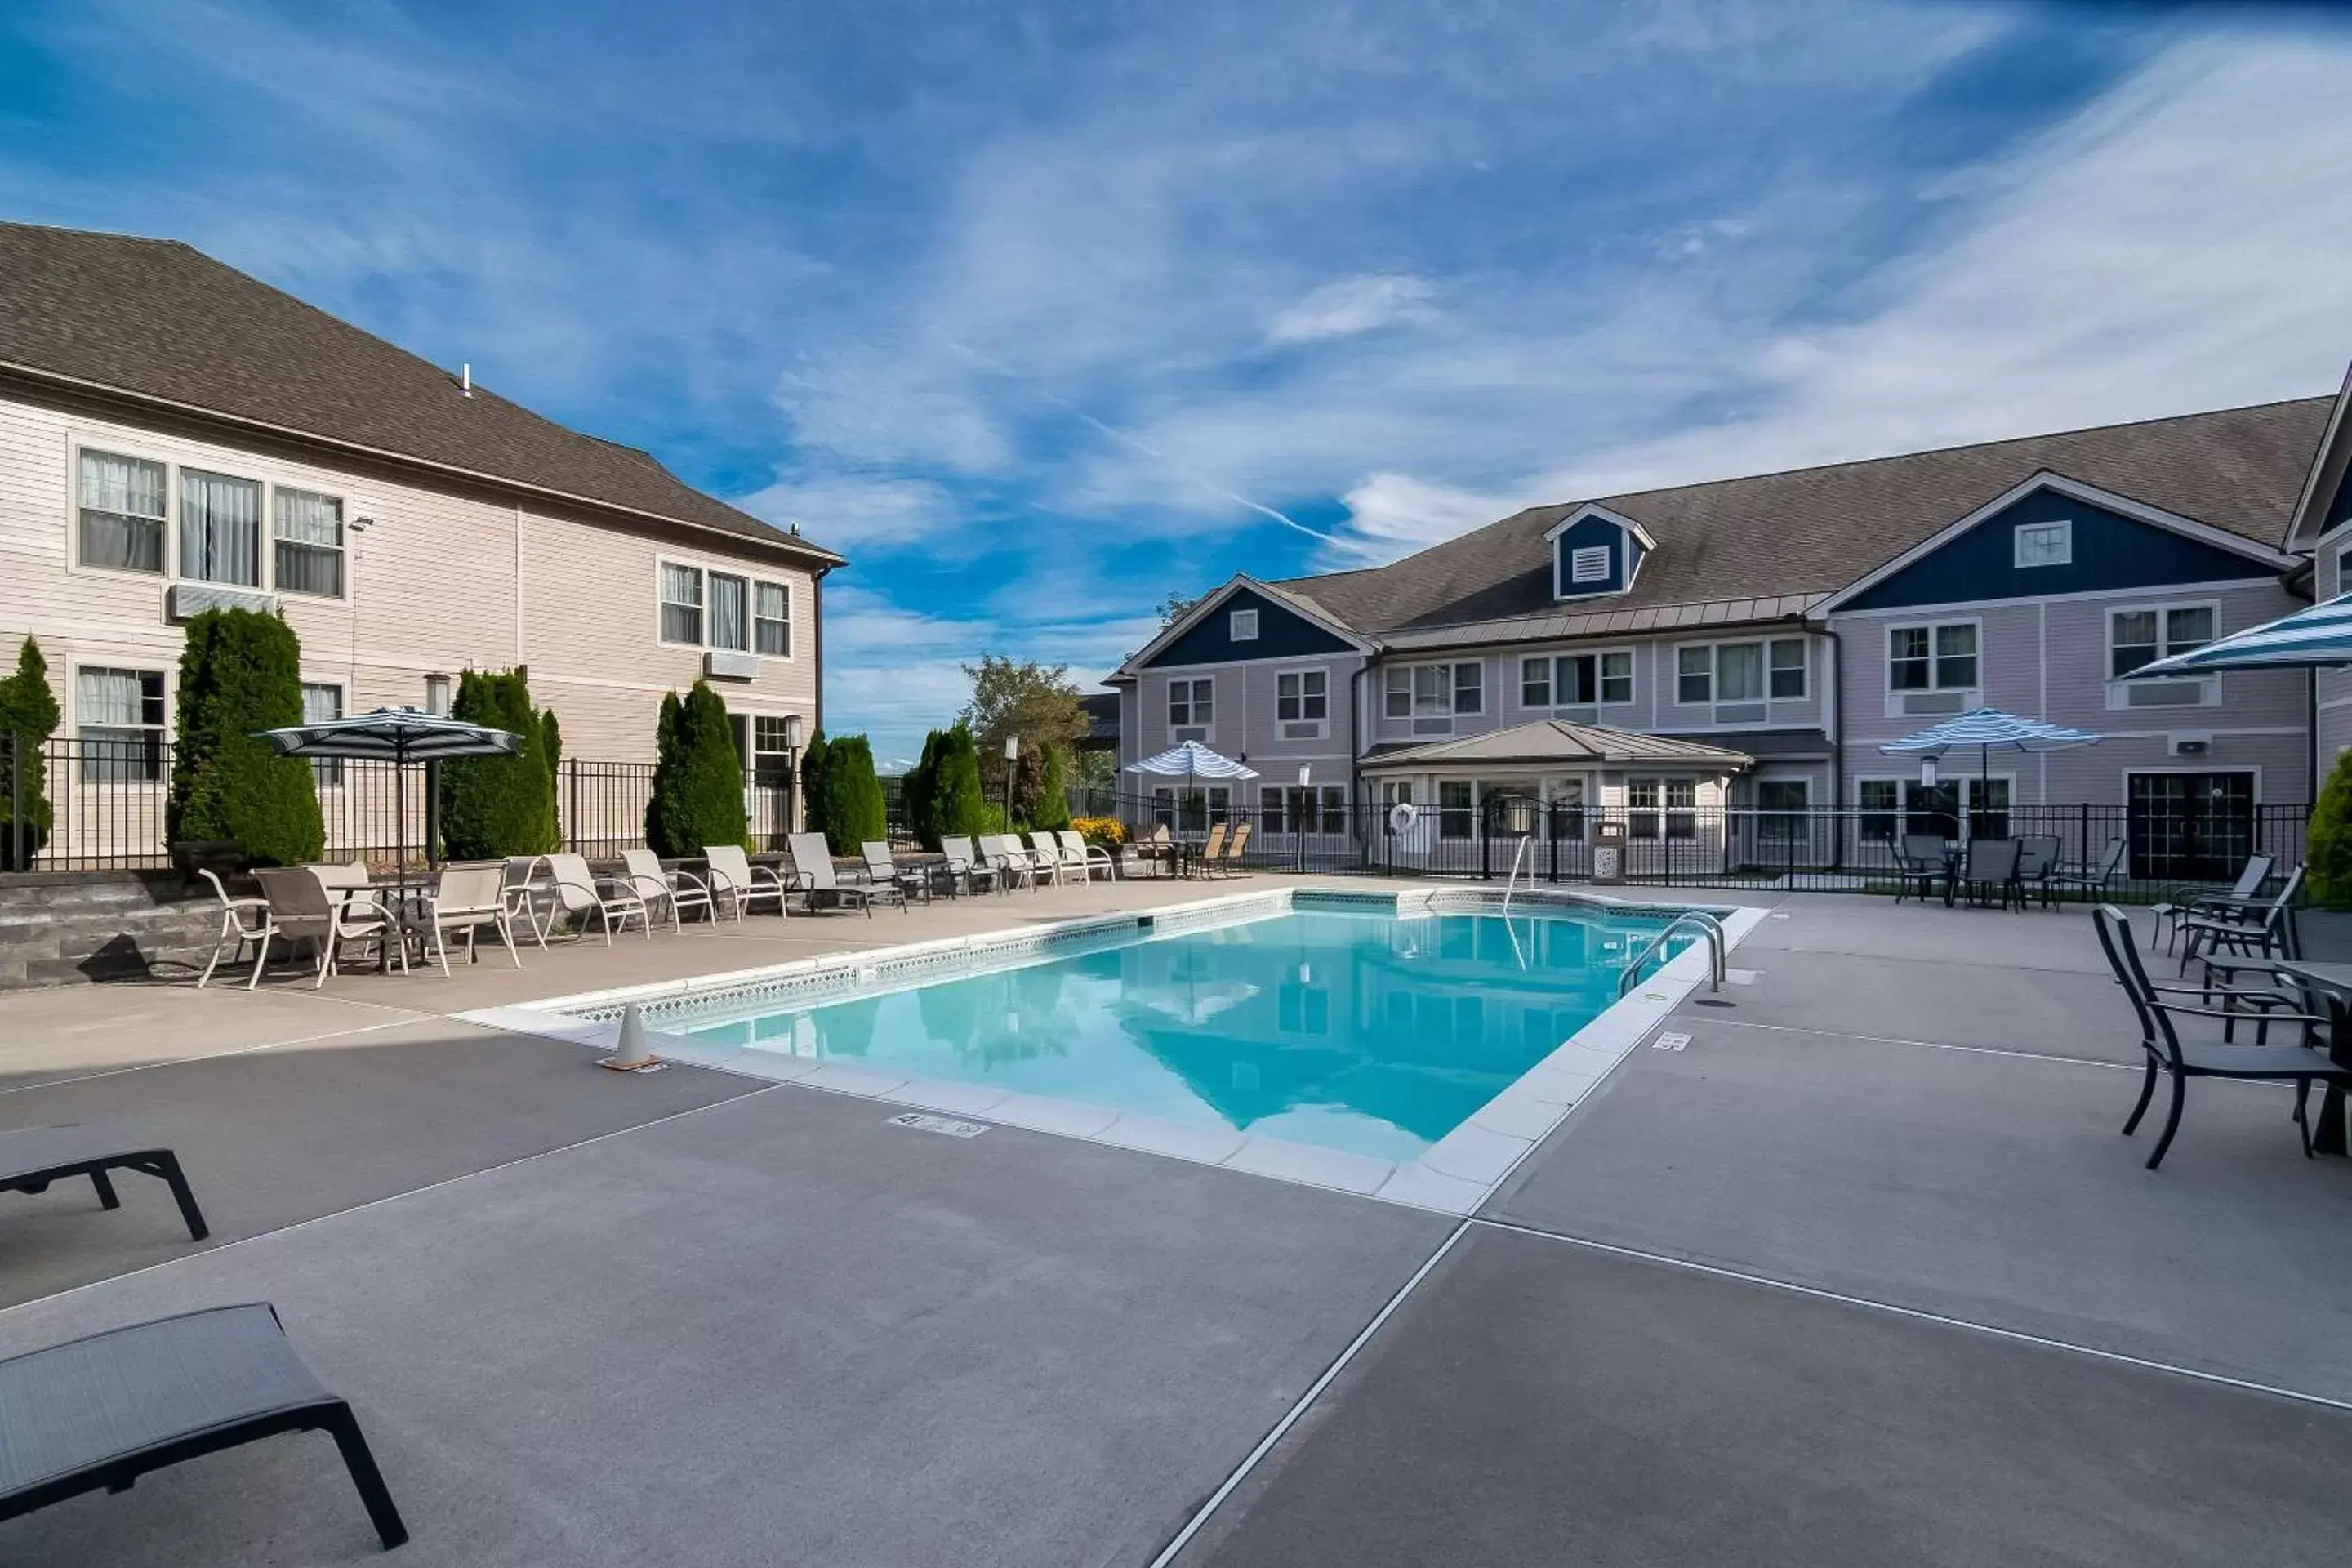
(736, 884)
(1011, 869)
(243, 920)
(580, 891)
(966, 866)
(1044, 854)
(1088, 858)
(526, 886)
(466, 899)
(657, 884)
(881, 870)
(304, 908)
(813, 874)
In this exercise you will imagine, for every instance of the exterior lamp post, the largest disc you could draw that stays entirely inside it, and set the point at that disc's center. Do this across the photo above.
(793, 738)
(1012, 756)
(437, 703)
(1305, 812)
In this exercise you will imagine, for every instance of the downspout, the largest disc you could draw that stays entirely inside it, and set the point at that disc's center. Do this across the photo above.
(1837, 743)
(816, 648)
(2311, 741)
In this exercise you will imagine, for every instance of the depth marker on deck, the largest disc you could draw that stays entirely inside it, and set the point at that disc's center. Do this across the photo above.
(945, 1125)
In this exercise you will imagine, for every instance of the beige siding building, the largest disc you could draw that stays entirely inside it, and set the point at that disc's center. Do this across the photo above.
(176, 434)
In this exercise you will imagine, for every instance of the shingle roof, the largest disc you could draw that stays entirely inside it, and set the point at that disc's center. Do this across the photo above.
(159, 319)
(1558, 740)
(1804, 533)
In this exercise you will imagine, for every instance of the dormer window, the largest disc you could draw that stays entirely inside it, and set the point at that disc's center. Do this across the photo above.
(1595, 552)
(1241, 626)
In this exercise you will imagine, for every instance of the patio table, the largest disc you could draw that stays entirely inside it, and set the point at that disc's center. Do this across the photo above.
(2334, 980)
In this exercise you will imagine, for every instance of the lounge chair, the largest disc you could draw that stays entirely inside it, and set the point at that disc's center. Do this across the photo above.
(2096, 878)
(2037, 857)
(32, 1157)
(1013, 866)
(527, 886)
(580, 891)
(2243, 894)
(1087, 857)
(1205, 863)
(2164, 1055)
(881, 870)
(302, 908)
(467, 898)
(1233, 864)
(965, 864)
(655, 884)
(2260, 931)
(1154, 848)
(736, 884)
(814, 875)
(99, 1413)
(1044, 853)
(242, 920)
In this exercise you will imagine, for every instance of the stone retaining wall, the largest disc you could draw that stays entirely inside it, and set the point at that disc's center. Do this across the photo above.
(61, 928)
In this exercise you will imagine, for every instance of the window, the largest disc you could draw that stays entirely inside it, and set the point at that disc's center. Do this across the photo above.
(1988, 807)
(1682, 802)
(1642, 808)
(120, 715)
(1740, 672)
(771, 753)
(1589, 564)
(1301, 695)
(1932, 658)
(1269, 809)
(2044, 545)
(730, 607)
(1241, 625)
(1433, 691)
(681, 604)
(771, 620)
(1694, 675)
(1788, 676)
(1191, 703)
(1577, 679)
(220, 529)
(310, 543)
(1878, 799)
(1335, 808)
(1780, 804)
(321, 703)
(121, 512)
(1395, 793)
(1192, 810)
(2137, 637)
(1454, 814)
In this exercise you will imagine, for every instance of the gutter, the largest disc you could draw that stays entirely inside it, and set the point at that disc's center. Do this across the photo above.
(816, 612)
(285, 432)
(1835, 712)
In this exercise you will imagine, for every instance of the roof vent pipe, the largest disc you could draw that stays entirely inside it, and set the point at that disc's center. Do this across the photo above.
(466, 380)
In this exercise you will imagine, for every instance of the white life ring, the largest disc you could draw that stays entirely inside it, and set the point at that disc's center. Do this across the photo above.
(1401, 817)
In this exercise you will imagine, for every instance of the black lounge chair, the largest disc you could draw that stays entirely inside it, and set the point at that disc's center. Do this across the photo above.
(32, 1157)
(105, 1410)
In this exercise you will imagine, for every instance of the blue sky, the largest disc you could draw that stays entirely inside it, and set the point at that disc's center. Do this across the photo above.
(1041, 312)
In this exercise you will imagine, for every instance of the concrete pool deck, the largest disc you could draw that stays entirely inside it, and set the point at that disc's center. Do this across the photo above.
(1862, 1274)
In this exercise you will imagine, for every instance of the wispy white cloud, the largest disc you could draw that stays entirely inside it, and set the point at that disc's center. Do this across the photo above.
(849, 511)
(1347, 306)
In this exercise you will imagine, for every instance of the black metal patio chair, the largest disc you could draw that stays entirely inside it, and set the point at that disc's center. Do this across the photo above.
(1922, 862)
(2301, 1064)
(2037, 861)
(2245, 894)
(2256, 931)
(2096, 876)
(1988, 872)
(32, 1157)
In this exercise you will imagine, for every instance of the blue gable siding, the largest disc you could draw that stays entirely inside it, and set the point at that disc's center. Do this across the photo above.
(2110, 552)
(1281, 634)
(1586, 533)
(2339, 510)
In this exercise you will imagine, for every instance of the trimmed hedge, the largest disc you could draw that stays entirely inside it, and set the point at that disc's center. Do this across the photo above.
(1052, 806)
(495, 806)
(849, 806)
(241, 673)
(697, 796)
(2328, 842)
(956, 805)
(28, 713)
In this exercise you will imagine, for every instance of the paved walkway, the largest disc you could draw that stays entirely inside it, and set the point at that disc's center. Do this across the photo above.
(1862, 1274)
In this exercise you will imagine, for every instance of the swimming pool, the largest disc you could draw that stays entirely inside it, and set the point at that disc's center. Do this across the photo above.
(1374, 1033)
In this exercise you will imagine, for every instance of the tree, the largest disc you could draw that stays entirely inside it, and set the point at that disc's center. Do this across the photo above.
(697, 796)
(850, 807)
(2328, 842)
(494, 807)
(957, 805)
(920, 789)
(812, 763)
(551, 746)
(28, 717)
(1036, 702)
(1175, 608)
(1052, 809)
(241, 673)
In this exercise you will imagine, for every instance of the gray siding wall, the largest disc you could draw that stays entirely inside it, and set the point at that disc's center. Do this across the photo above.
(1243, 723)
(2335, 727)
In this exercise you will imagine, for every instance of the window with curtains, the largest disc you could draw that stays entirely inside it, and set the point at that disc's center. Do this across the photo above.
(730, 612)
(119, 716)
(121, 512)
(772, 619)
(1300, 696)
(1576, 680)
(321, 702)
(772, 752)
(1433, 691)
(220, 529)
(308, 544)
(681, 604)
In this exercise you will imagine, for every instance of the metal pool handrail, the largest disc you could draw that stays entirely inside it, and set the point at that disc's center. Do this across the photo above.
(1518, 857)
(1709, 927)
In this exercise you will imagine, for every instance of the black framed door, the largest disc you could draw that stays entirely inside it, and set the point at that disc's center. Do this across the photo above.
(2189, 828)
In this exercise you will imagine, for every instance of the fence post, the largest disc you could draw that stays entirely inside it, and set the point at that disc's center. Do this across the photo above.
(17, 802)
(571, 816)
(2083, 836)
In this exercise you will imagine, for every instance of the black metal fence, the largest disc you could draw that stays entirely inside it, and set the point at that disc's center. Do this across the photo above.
(1848, 849)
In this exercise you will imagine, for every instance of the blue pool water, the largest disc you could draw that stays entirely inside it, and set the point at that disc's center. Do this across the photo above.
(1352, 1031)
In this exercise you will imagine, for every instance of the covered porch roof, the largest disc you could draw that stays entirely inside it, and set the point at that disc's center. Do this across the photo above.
(1555, 742)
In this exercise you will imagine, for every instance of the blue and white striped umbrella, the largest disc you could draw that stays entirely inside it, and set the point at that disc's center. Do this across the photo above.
(394, 735)
(1988, 729)
(2318, 639)
(1191, 760)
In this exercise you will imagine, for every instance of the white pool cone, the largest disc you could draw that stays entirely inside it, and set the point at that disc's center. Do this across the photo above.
(629, 1053)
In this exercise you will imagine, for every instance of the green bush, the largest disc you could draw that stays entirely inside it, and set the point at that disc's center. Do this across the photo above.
(957, 805)
(697, 796)
(28, 713)
(551, 746)
(494, 807)
(812, 782)
(2327, 845)
(918, 792)
(1052, 809)
(849, 806)
(241, 673)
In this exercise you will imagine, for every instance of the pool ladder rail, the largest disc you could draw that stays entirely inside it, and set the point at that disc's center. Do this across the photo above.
(1708, 927)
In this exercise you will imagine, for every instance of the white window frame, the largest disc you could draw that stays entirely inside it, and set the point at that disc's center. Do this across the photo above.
(1894, 694)
(705, 568)
(711, 580)
(758, 619)
(662, 601)
(1803, 813)
(328, 772)
(172, 570)
(1241, 626)
(2209, 687)
(1557, 688)
(2061, 529)
(166, 523)
(1321, 720)
(1450, 689)
(1763, 646)
(75, 721)
(1191, 685)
